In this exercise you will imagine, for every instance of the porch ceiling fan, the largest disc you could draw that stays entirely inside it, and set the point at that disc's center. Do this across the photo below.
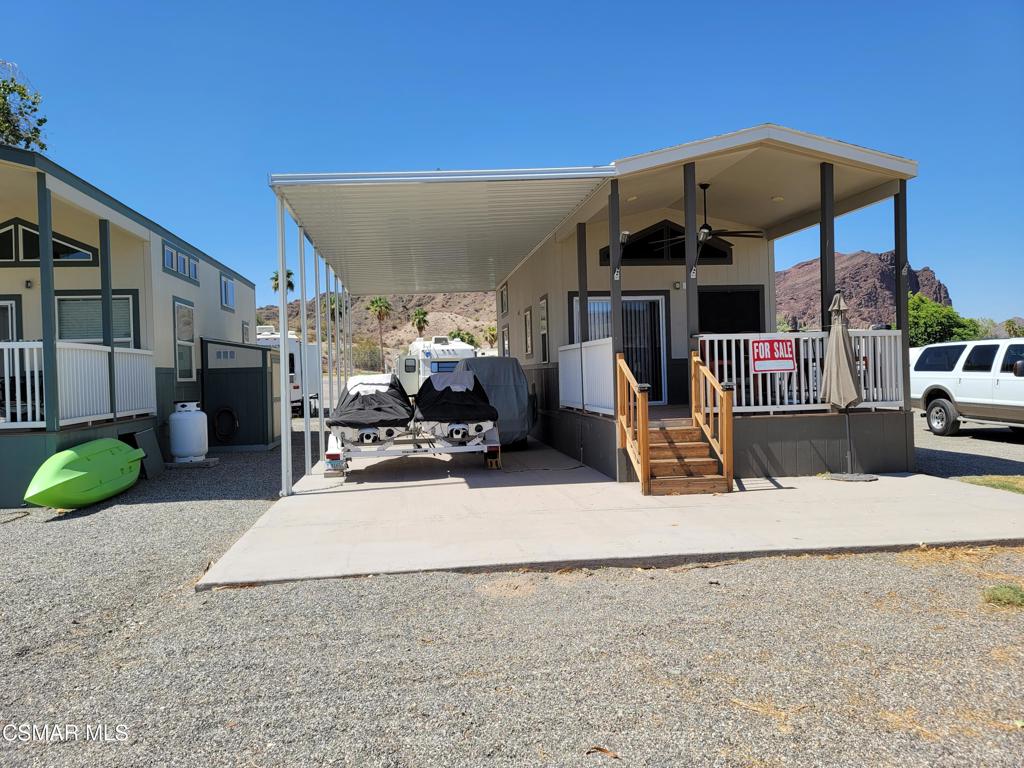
(706, 232)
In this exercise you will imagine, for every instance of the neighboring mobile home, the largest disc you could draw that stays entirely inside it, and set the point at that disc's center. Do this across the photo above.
(101, 312)
(593, 263)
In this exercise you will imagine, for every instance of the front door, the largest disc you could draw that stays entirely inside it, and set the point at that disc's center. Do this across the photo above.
(643, 336)
(8, 329)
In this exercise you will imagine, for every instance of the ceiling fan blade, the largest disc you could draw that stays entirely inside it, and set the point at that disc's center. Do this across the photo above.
(757, 232)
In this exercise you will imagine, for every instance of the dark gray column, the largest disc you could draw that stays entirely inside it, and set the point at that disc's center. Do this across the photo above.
(51, 395)
(690, 224)
(583, 332)
(107, 304)
(902, 281)
(615, 265)
(827, 243)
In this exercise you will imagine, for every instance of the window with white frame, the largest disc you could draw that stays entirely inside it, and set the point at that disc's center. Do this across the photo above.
(184, 341)
(80, 318)
(542, 327)
(227, 292)
(528, 331)
(503, 298)
(181, 263)
(65, 249)
(505, 349)
(245, 332)
(7, 243)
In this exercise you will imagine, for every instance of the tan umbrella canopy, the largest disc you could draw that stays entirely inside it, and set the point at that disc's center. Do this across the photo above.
(840, 385)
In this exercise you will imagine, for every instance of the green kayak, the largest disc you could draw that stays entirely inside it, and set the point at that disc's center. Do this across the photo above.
(85, 474)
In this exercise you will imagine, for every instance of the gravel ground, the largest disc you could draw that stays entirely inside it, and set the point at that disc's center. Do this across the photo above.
(883, 659)
(975, 450)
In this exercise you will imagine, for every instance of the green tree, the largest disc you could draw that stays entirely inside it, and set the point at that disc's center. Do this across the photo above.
(366, 355)
(931, 323)
(464, 336)
(419, 320)
(20, 121)
(490, 335)
(381, 309)
(275, 284)
(1013, 329)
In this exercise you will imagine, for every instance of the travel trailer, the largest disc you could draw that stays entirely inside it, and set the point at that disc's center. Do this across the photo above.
(267, 336)
(425, 357)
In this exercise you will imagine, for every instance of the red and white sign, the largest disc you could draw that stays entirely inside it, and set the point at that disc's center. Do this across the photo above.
(772, 356)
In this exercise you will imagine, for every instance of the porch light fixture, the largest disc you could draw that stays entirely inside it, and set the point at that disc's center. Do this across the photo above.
(28, 284)
(623, 237)
(677, 285)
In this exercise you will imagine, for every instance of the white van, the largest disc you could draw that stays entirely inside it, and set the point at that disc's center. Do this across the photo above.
(977, 381)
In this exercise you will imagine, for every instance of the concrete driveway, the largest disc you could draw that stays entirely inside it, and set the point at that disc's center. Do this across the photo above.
(544, 509)
(974, 450)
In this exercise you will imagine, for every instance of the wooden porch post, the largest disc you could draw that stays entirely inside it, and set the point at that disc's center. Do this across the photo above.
(583, 332)
(827, 243)
(107, 311)
(48, 309)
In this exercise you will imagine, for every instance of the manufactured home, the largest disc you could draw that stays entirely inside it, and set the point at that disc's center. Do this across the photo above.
(101, 313)
(639, 296)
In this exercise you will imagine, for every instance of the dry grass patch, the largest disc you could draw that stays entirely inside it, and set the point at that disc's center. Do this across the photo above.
(520, 585)
(767, 708)
(1012, 483)
(906, 720)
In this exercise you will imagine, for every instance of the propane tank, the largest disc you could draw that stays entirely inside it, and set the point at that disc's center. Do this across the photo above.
(188, 432)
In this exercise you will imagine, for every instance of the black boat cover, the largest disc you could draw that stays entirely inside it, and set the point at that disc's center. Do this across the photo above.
(373, 401)
(507, 390)
(454, 397)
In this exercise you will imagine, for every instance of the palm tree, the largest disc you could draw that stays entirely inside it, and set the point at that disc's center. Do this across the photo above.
(490, 335)
(419, 320)
(276, 285)
(380, 308)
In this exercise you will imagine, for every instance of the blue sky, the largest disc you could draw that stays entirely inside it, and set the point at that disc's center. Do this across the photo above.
(182, 109)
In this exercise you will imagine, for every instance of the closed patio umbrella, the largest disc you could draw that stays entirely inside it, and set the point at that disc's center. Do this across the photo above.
(840, 386)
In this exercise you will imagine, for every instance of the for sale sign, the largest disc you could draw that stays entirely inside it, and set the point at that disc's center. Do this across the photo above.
(772, 355)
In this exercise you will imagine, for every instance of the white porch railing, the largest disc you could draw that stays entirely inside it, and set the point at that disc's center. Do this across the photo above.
(877, 355)
(586, 376)
(83, 383)
(134, 381)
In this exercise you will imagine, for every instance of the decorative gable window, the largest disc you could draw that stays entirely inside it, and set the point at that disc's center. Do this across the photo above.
(66, 250)
(664, 243)
(7, 243)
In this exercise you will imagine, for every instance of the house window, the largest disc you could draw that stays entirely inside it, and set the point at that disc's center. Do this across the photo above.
(505, 350)
(245, 332)
(542, 326)
(180, 263)
(65, 250)
(528, 331)
(7, 243)
(664, 243)
(503, 298)
(80, 318)
(227, 292)
(184, 341)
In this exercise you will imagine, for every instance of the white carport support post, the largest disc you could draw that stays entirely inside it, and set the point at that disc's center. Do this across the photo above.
(319, 355)
(282, 334)
(337, 336)
(330, 339)
(307, 375)
(351, 369)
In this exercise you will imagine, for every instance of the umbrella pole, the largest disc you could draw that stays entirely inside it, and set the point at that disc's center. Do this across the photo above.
(849, 443)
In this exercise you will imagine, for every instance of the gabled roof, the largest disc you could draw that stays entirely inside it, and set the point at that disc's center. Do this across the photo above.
(42, 163)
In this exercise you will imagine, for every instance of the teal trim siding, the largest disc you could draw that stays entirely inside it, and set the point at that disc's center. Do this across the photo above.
(51, 398)
(42, 163)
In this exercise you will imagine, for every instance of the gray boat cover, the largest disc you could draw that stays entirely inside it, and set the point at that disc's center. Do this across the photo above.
(505, 384)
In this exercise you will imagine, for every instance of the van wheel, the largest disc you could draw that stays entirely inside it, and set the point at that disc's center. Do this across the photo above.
(943, 419)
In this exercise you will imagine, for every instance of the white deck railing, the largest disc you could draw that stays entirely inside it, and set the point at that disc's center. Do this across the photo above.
(83, 383)
(586, 376)
(877, 355)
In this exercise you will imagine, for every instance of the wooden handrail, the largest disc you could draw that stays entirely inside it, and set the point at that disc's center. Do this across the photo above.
(711, 408)
(631, 417)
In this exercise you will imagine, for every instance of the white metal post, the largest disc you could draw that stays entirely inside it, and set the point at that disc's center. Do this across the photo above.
(303, 348)
(337, 324)
(348, 325)
(330, 339)
(319, 355)
(282, 330)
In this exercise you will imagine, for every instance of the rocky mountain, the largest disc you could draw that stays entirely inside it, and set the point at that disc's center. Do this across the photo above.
(868, 282)
(471, 312)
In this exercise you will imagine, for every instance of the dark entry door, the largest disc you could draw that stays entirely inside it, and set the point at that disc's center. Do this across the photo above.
(731, 310)
(642, 343)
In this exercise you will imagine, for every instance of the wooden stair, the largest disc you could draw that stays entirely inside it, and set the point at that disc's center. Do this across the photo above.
(681, 460)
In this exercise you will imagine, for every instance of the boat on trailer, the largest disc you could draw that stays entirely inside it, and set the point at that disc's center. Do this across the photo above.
(375, 419)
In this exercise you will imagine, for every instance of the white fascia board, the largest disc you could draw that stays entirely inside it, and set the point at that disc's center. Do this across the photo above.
(418, 177)
(771, 135)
